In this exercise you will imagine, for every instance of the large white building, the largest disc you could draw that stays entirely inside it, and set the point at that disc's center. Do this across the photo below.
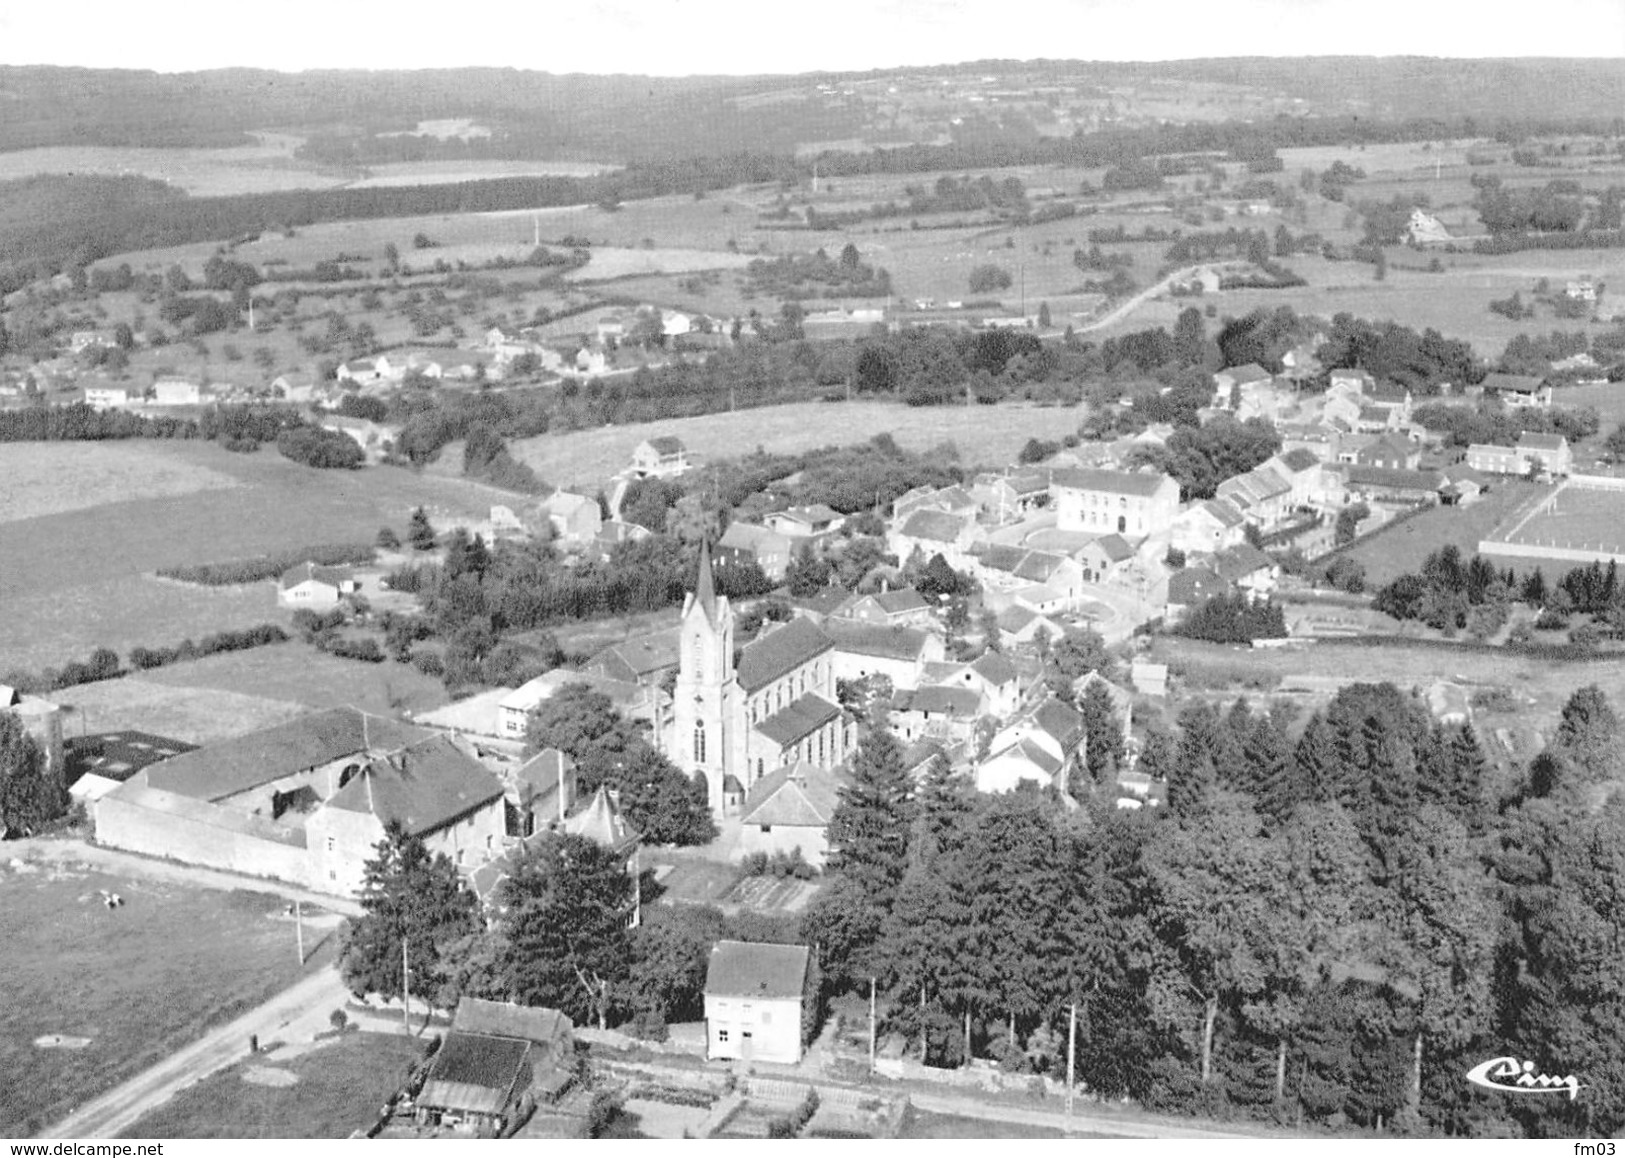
(1133, 505)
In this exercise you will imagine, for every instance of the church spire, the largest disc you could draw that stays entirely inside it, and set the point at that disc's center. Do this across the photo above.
(705, 591)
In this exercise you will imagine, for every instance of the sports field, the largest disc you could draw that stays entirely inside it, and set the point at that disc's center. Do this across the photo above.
(1575, 518)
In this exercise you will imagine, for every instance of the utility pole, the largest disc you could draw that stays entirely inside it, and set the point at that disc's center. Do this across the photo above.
(406, 992)
(1071, 1055)
(871, 1025)
(299, 931)
(251, 311)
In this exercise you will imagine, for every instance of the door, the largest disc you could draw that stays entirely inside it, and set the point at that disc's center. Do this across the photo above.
(747, 1046)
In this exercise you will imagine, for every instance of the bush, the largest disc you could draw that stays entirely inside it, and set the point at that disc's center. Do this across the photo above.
(324, 449)
(270, 566)
(365, 650)
(387, 540)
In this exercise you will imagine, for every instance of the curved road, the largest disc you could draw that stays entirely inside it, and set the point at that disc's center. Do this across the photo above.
(297, 1013)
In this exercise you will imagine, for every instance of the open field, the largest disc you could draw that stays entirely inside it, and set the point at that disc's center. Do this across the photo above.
(919, 1123)
(43, 478)
(1400, 550)
(81, 579)
(266, 167)
(445, 172)
(336, 1089)
(984, 435)
(1574, 518)
(137, 981)
(226, 695)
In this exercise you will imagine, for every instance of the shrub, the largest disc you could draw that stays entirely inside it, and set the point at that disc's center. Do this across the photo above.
(325, 449)
(269, 566)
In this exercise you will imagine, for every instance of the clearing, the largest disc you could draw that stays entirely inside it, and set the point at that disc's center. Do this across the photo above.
(139, 981)
(984, 435)
(336, 1089)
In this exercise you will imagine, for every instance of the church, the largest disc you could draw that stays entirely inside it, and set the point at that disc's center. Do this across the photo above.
(740, 716)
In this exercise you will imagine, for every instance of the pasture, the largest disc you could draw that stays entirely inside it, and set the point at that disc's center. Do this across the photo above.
(82, 578)
(989, 436)
(137, 981)
(331, 1092)
(267, 166)
(42, 478)
(1400, 550)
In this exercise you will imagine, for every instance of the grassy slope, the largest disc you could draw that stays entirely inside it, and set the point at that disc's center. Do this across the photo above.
(340, 1087)
(139, 981)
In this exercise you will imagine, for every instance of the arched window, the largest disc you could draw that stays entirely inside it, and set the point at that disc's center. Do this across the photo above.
(760, 767)
(699, 741)
(698, 656)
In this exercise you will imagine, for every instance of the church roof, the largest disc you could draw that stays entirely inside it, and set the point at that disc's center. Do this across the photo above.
(798, 719)
(779, 652)
(705, 591)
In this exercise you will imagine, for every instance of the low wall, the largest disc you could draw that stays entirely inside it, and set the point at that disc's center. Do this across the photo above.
(1565, 554)
(1599, 482)
(189, 835)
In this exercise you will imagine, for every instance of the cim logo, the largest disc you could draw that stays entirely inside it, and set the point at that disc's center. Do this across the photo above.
(1511, 1076)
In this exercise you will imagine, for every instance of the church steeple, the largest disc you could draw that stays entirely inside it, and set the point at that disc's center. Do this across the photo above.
(705, 591)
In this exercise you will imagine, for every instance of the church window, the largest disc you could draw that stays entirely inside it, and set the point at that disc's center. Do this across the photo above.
(760, 767)
(820, 747)
(699, 655)
(699, 741)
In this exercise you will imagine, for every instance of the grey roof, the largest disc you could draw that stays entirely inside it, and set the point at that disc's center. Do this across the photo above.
(1376, 476)
(900, 643)
(1115, 482)
(237, 765)
(953, 701)
(896, 602)
(293, 576)
(798, 719)
(667, 444)
(779, 652)
(748, 969)
(425, 787)
(1114, 547)
(1240, 560)
(994, 668)
(600, 820)
(798, 795)
(532, 1023)
(1251, 372)
(1194, 585)
(935, 526)
(639, 657)
(475, 1073)
(1529, 441)
(752, 538)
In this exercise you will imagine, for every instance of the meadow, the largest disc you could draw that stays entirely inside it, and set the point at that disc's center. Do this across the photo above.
(989, 436)
(41, 478)
(337, 1089)
(267, 166)
(1400, 550)
(1577, 518)
(138, 981)
(82, 578)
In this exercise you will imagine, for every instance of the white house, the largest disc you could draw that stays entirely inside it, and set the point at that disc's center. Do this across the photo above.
(1130, 504)
(789, 810)
(753, 1002)
(1039, 746)
(317, 588)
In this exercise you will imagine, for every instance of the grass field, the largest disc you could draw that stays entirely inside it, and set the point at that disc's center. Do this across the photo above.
(82, 578)
(43, 478)
(1400, 550)
(138, 981)
(227, 695)
(339, 1087)
(1577, 518)
(984, 435)
(925, 1124)
(265, 167)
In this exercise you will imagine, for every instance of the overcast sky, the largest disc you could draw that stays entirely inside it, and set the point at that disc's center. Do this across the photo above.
(676, 37)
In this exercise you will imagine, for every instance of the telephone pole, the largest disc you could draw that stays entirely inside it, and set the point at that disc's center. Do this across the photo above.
(299, 931)
(1071, 1055)
(406, 992)
(871, 1025)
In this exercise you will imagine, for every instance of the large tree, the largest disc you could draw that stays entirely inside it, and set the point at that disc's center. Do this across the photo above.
(406, 896)
(563, 913)
(869, 832)
(29, 798)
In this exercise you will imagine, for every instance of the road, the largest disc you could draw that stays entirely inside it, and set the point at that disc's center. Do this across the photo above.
(1082, 1122)
(295, 1014)
(1128, 305)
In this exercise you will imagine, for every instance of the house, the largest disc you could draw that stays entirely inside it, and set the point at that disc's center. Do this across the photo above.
(365, 371)
(1580, 291)
(176, 392)
(1376, 484)
(1248, 570)
(664, 456)
(636, 701)
(1491, 459)
(1150, 678)
(540, 792)
(575, 519)
(953, 500)
(1262, 496)
(990, 675)
(769, 549)
(1005, 498)
(1463, 485)
(1425, 231)
(1390, 453)
(107, 397)
(1208, 526)
(496, 1062)
(1040, 746)
(1301, 468)
(753, 1002)
(934, 532)
(1517, 391)
(945, 714)
(1191, 587)
(902, 608)
(318, 588)
(1105, 558)
(1130, 504)
(1021, 626)
(1227, 381)
(805, 522)
(1549, 452)
(789, 810)
(643, 659)
(898, 653)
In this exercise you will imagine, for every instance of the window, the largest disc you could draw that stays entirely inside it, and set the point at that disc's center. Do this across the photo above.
(699, 741)
(488, 839)
(722, 1035)
(331, 875)
(330, 843)
(760, 767)
(766, 828)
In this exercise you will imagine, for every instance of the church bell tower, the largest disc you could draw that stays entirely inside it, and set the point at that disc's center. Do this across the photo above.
(702, 737)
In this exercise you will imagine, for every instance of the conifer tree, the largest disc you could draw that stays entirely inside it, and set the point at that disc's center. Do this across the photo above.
(944, 799)
(869, 832)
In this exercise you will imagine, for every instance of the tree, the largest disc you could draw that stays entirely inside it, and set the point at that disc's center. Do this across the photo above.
(869, 831)
(563, 912)
(808, 573)
(418, 531)
(850, 258)
(989, 278)
(671, 949)
(29, 796)
(387, 539)
(409, 897)
(1102, 731)
(943, 801)
(1043, 316)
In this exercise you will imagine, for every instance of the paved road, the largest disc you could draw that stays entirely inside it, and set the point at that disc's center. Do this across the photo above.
(1128, 305)
(1082, 1122)
(295, 1014)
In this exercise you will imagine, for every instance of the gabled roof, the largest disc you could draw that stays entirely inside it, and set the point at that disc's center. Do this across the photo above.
(540, 775)
(1386, 446)
(1373, 414)
(1251, 372)
(1376, 476)
(475, 1073)
(780, 651)
(1510, 383)
(798, 795)
(1114, 547)
(798, 719)
(1061, 722)
(994, 668)
(306, 572)
(748, 969)
(755, 539)
(1031, 752)
(665, 444)
(1241, 560)
(600, 820)
(1256, 486)
(934, 526)
(1116, 482)
(901, 601)
(1039, 566)
(237, 765)
(813, 515)
(533, 1023)
(1530, 441)
(899, 643)
(425, 787)
(639, 657)
(947, 699)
